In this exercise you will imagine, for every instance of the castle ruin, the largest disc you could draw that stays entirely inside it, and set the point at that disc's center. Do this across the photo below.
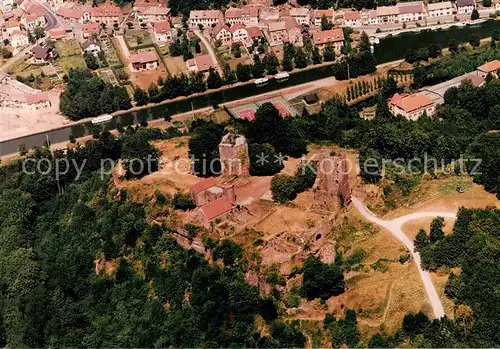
(234, 158)
(332, 181)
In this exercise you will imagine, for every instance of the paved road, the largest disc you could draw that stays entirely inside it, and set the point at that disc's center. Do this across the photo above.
(210, 50)
(394, 226)
(51, 18)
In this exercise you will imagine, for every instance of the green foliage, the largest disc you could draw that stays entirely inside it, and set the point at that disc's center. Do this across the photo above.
(88, 95)
(421, 240)
(140, 97)
(271, 63)
(343, 331)
(227, 251)
(436, 232)
(321, 280)
(283, 188)
(214, 80)
(182, 201)
(263, 160)
(204, 147)
(329, 53)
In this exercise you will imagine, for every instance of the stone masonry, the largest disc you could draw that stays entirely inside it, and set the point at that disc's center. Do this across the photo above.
(332, 181)
(233, 152)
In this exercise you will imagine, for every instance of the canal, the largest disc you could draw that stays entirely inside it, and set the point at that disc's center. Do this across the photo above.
(172, 108)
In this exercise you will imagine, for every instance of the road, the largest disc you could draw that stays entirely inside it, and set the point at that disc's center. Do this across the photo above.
(394, 226)
(210, 50)
(51, 18)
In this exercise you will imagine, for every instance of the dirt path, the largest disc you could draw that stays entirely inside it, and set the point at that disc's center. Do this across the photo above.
(394, 226)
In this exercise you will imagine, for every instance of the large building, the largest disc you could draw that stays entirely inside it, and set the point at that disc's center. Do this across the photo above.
(246, 15)
(411, 11)
(144, 60)
(465, 6)
(411, 106)
(18, 96)
(440, 9)
(301, 15)
(334, 37)
(151, 14)
(205, 18)
(317, 16)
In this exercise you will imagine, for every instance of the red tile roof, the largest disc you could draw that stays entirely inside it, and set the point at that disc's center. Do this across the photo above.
(204, 184)
(90, 28)
(320, 13)
(219, 27)
(57, 33)
(11, 24)
(254, 32)
(216, 208)
(352, 15)
(36, 10)
(411, 8)
(413, 102)
(70, 13)
(237, 26)
(161, 27)
(328, 36)
(489, 67)
(234, 13)
(144, 57)
(204, 62)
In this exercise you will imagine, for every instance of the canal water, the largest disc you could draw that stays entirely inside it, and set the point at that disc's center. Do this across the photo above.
(168, 109)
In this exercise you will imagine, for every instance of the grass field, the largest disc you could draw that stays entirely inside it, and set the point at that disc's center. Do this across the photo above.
(66, 48)
(66, 63)
(136, 38)
(110, 52)
(175, 65)
(24, 69)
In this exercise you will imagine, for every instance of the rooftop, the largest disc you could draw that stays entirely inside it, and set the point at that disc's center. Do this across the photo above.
(387, 11)
(411, 7)
(439, 5)
(203, 14)
(161, 26)
(204, 184)
(490, 66)
(409, 103)
(327, 36)
(299, 12)
(203, 62)
(275, 26)
(70, 12)
(462, 3)
(153, 10)
(320, 13)
(144, 57)
(216, 208)
(352, 15)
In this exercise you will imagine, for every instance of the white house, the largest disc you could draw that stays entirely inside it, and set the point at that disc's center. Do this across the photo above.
(162, 31)
(91, 46)
(222, 33)
(440, 9)
(301, 15)
(206, 18)
(239, 32)
(246, 15)
(411, 106)
(317, 16)
(411, 11)
(465, 6)
(352, 19)
(150, 14)
(12, 26)
(19, 39)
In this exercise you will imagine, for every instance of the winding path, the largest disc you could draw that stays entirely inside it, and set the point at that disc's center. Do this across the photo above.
(394, 226)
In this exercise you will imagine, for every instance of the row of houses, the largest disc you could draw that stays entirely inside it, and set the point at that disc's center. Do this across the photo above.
(400, 13)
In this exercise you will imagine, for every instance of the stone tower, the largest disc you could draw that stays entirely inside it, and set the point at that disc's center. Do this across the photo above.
(233, 152)
(332, 181)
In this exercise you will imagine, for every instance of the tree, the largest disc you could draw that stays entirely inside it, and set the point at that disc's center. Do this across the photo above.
(389, 87)
(301, 58)
(283, 188)
(39, 32)
(271, 63)
(364, 42)
(140, 96)
(434, 51)
(31, 38)
(258, 68)
(236, 49)
(22, 149)
(329, 53)
(214, 80)
(487, 3)
(474, 15)
(495, 36)
(475, 41)
(197, 47)
(244, 72)
(421, 240)
(320, 280)
(316, 56)
(263, 160)
(287, 64)
(91, 61)
(453, 46)
(414, 324)
(325, 23)
(436, 233)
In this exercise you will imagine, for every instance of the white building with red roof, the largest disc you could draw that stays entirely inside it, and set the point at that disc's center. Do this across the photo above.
(19, 38)
(16, 95)
(205, 18)
(277, 33)
(144, 60)
(57, 33)
(352, 19)
(201, 63)
(12, 26)
(411, 11)
(247, 15)
(317, 16)
(334, 37)
(89, 29)
(162, 31)
(108, 14)
(70, 14)
(302, 15)
(411, 106)
(239, 33)
(222, 33)
(215, 211)
(151, 14)
(33, 17)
